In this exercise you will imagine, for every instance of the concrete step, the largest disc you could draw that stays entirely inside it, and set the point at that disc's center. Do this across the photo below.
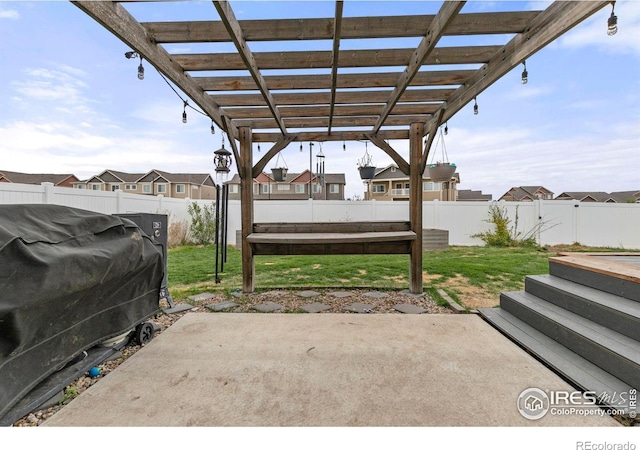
(578, 371)
(621, 287)
(612, 351)
(617, 313)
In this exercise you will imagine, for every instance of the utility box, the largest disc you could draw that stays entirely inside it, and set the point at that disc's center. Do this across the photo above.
(155, 226)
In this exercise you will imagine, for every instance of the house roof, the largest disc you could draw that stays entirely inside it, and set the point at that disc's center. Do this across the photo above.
(468, 194)
(35, 178)
(598, 196)
(329, 178)
(518, 193)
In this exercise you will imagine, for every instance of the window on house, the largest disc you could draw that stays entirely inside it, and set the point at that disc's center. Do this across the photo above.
(378, 188)
(130, 187)
(115, 187)
(393, 168)
(300, 188)
(283, 187)
(317, 188)
(398, 186)
(146, 188)
(180, 188)
(96, 186)
(334, 188)
(81, 186)
(430, 186)
(266, 189)
(233, 188)
(161, 188)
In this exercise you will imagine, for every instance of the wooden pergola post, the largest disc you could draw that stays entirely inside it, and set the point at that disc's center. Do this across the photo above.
(246, 206)
(415, 205)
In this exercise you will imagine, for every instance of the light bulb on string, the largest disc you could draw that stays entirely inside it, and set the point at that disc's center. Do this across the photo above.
(525, 74)
(612, 21)
(475, 106)
(184, 112)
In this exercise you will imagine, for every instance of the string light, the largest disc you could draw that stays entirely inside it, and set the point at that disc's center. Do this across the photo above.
(525, 74)
(475, 106)
(300, 147)
(258, 148)
(612, 22)
(213, 129)
(344, 146)
(184, 112)
(446, 128)
(132, 54)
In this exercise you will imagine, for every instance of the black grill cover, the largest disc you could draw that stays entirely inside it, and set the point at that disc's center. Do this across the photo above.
(69, 279)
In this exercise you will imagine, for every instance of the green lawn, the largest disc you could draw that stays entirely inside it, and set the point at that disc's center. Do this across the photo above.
(474, 276)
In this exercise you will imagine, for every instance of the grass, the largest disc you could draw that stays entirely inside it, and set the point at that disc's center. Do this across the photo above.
(460, 271)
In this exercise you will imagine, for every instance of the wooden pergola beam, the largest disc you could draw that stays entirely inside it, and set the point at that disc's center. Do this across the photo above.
(323, 136)
(324, 59)
(352, 27)
(342, 97)
(338, 122)
(327, 111)
(118, 21)
(345, 81)
(335, 56)
(235, 32)
(447, 12)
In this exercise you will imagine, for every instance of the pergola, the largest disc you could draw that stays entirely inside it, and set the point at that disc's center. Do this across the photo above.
(377, 94)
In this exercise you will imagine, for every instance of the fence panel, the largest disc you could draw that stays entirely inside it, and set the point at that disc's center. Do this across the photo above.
(560, 222)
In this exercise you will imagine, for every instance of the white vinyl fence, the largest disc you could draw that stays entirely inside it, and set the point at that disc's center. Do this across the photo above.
(560, 222)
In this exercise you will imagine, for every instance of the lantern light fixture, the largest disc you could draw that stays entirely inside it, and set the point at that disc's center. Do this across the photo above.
(612, 21)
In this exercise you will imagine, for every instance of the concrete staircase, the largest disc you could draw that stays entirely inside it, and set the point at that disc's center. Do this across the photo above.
(582, 322)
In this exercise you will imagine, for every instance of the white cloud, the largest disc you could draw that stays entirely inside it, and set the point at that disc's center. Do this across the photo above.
(9, 14)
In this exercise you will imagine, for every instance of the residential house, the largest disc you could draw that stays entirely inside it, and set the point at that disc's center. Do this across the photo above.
(154, 182)
(613, 197)
(295, 186)
(390, 184)
(468, 195)
(527, 194)
(62, 180)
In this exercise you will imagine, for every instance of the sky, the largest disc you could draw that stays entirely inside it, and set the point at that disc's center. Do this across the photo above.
(70, 102)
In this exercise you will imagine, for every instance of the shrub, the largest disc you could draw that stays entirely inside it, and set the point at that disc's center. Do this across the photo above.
(504, 234)
(203, 223)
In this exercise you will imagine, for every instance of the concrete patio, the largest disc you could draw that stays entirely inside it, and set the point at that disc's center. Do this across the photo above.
(351, 370)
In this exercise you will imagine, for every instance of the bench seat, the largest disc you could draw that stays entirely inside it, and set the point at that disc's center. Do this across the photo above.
(330, 238)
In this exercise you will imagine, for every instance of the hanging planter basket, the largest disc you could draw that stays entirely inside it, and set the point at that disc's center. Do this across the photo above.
(367, 172)
(279, 172)
(366, 169)
(440, 172)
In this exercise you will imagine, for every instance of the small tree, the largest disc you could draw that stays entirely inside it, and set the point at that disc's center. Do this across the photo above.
(203, 223)
(504, 234)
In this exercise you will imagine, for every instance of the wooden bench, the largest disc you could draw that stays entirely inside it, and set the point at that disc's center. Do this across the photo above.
(331, 238)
